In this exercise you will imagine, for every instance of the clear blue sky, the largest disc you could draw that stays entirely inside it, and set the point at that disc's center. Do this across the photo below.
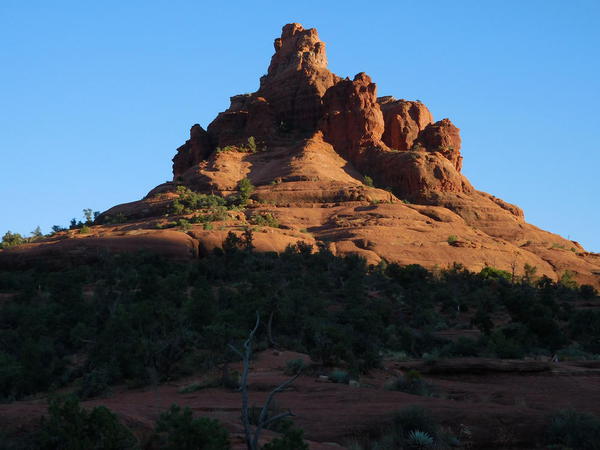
(96, 96)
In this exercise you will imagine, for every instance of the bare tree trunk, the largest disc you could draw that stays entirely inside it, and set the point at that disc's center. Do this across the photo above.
(270, 330)
(252, 439)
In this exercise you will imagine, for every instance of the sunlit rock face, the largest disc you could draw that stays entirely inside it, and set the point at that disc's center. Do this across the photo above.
(377, 177)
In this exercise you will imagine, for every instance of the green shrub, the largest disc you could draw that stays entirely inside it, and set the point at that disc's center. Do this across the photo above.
(367, 181)
(567, 280)
(245, 188)
(411, 382)
(452, 239)
(504, 347)
(291, 440)
(184, 224)
(293, 366)
(70, 427)
(587, 291)
(252, 144)
(265, 220)
(463, 346)
(492, 272)
(84, 229)
(190, 201)
(573, 430)
(11, 374)
(94, 383)
(339, 376)
(114, 220)
(11, 239)
(250, 147)
(415, 418)
(419, 440)
(176, 429)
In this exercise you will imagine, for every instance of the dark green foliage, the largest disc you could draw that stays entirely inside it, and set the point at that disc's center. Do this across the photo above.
(70, 427)
(492, 272)
(573, 430)
(11, 239)
(339, 376)
(115, 220)
(411, 428)
(587, 291)
(94, 383)
(412, 383)
(463, 346)
(293, 366)
(291, 440)
(172, 318)
(585, 328)
(251, 147)
(265, 220)
(190, 201)
(245, 188)
(177, 429)
(367, 181)
(415, 418)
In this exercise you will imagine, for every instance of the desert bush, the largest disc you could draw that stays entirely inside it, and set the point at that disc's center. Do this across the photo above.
(587, 291)
(584, 327)
(415, 418)
(293, 366)
(367, 181)
(417, 439)
(573, 430)
(504, 347)
(265, 220)
(70, 427)
(173, 317)
(184, 224)
(411, 428)
(452, 239)
(245, 189)
(252, 145)
(177, 429)
(492, 272)
(339, 376)
(463, 346)
(412, 383)
(291, 440)
(11, 239)
(190, 201)
(94, 383)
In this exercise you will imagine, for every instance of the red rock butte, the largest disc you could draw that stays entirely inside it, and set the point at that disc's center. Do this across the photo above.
(321, 140)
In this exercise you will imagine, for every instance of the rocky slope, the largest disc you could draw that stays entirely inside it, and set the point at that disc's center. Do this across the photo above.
(306, 139)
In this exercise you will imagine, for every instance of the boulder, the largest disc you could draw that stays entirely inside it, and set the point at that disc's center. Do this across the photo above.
(404, 120)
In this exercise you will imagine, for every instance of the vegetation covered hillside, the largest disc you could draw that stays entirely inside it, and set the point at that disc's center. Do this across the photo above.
(132, 318)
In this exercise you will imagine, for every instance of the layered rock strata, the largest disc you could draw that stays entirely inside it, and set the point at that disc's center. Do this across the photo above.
(307, 139)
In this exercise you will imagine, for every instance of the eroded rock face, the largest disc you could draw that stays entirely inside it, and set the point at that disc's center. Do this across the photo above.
(352, 118)
(196, 149)
(248, 115)
(443, 137)
(404, 120)
(297, 78)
